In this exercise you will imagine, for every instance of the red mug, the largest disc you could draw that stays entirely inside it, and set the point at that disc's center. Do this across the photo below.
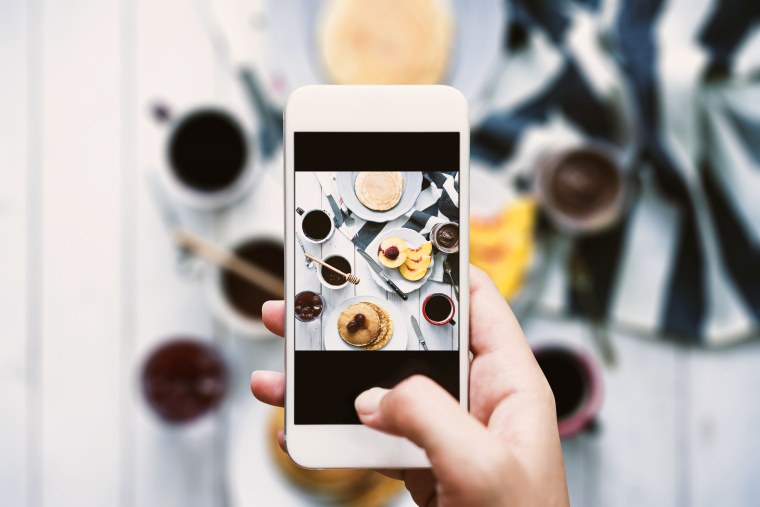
(448, 319)
(576, 381)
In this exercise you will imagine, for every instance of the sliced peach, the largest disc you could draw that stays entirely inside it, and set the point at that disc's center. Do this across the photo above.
(424, 262)
(421, 251)
(412, 274)
(392, 252)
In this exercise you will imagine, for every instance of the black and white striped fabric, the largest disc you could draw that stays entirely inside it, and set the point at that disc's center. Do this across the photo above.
(438, 202)
(685, 263)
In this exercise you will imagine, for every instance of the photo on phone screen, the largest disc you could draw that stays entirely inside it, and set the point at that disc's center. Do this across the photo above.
(382, 207)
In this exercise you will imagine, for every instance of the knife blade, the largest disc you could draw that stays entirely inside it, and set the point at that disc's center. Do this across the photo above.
(379, 270)
(418, 331)
(326, 183)
(342, 204)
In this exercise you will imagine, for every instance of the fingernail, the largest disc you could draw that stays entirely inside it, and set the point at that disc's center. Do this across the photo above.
(367, 403)
(254, 374)
(264, 306)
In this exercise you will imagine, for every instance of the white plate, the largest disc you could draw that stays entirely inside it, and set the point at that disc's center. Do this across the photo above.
(414, 239)
(398, 340)
(293, 58)
(412, 188)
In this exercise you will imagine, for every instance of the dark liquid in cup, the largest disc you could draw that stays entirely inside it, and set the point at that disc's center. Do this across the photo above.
(331, 276)
(316, 225)
(245, 297)
(184, 379)
(585, 183)
(438, 308)
(567, 379)
(208, 151)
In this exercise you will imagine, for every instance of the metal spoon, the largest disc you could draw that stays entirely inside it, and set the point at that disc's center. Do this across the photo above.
(447, 269)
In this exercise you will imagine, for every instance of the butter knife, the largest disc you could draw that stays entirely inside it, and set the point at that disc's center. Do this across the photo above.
(377, 269)
(326, 183)
(418, 331)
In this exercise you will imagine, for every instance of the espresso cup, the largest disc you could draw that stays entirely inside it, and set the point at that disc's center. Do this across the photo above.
(209, 157)
(576, 381)
(235, 301)
(326, 276)
(316, 225)
(438, 309)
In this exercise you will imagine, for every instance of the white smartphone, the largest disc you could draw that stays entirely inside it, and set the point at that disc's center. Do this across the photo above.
(377, 187)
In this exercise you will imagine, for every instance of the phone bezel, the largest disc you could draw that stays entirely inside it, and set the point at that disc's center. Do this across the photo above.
(326, 108)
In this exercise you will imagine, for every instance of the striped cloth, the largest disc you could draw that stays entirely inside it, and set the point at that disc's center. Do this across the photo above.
(676, 86)
(438, 202)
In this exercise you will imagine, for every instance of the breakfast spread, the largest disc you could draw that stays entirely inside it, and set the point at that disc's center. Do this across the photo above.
(503, 245)
(388, 239)
(412, 263)
(379, 191)
(365, 325)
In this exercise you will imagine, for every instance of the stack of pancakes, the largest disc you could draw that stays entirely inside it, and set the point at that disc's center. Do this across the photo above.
(379, 191)
(373, 333)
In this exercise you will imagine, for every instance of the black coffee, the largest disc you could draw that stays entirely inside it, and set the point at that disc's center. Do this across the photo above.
(208, 151)
(316, 225)
(438, 308)
(567, 378)
(331, 276)
(184, 379)
(241, 294)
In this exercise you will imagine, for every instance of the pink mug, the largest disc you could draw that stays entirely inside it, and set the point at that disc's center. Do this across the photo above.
(577, 384)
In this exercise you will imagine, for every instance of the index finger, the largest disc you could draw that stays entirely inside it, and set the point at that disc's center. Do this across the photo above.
(273, 315)
(493, 326)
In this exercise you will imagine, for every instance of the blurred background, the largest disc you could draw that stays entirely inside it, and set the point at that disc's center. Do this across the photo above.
(616, 203)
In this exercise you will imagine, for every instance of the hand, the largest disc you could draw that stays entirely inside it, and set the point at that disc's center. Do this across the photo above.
(506, 451)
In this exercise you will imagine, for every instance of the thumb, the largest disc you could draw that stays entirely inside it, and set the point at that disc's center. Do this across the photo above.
(423, 412)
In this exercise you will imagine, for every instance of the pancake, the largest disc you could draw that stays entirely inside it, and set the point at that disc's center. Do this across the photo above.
(379, 191)
(368, 333)
(374, 333)
(386, 41)
(386, 326)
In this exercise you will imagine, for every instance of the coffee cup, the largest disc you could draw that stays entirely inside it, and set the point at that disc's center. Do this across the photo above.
(576, 381)
(183, 379)
(235, 301)
(209, 157)
(438, 309)
(582, 189)
(330, 278)
(316, 225)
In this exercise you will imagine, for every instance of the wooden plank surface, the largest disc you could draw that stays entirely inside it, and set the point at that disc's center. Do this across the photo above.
(723, 412)
(177, 66)
(81, 244)
(18, 191)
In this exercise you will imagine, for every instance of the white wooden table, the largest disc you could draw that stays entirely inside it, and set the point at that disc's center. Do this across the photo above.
(87, 285)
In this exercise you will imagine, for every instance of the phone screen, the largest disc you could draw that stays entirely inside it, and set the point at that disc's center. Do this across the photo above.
(388, 200)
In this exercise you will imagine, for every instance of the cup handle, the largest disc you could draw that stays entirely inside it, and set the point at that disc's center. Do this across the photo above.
(593, 427)
(161, 112)
(453, 322)
(299, 211)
